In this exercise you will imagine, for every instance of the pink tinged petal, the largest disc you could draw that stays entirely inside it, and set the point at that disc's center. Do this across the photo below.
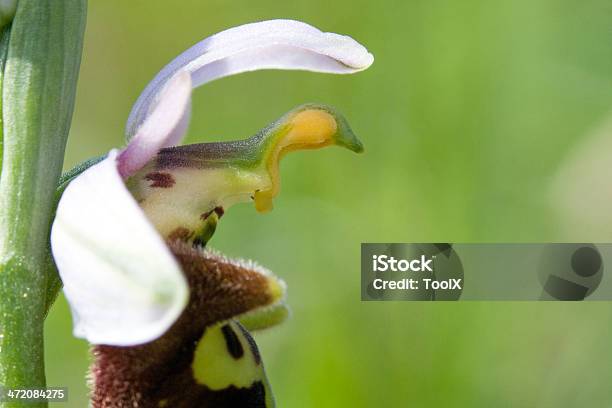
(274, 44)
(123, 284)
(164, 127)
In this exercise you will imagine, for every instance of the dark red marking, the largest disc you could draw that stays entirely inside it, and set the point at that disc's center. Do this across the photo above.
(159, 179)
(217, 210)
(181, 234)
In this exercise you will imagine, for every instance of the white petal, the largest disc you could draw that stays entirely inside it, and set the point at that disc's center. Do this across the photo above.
(164, 127)
(123, 284)
(274, 44)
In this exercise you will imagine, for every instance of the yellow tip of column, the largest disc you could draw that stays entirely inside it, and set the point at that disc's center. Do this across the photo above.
(312, 126)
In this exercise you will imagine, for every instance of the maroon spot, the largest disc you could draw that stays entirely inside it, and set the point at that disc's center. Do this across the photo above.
(180, 234)
(162, 180)
(217, 210)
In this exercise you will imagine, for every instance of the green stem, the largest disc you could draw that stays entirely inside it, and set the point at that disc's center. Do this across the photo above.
(4, 41)
(39, 82)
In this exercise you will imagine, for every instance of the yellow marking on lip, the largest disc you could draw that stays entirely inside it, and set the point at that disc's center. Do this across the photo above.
(214, 367)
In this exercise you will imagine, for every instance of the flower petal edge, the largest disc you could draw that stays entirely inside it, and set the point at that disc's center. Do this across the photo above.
(272, 44)
(123, 285)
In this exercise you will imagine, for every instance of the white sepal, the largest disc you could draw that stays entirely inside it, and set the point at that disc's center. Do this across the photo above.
(273, 44)
(123, 284)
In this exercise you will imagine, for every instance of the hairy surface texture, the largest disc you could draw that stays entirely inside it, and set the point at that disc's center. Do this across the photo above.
(161, 373)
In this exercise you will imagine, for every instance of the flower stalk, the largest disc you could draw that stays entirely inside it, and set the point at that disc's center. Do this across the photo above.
(43, 53)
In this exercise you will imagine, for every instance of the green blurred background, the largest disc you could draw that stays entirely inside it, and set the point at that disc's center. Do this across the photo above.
(468, 114)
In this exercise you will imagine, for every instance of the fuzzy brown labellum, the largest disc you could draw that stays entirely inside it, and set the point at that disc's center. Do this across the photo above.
(206, 359)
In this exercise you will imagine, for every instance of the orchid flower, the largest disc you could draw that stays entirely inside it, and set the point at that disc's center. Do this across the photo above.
(131, 231)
